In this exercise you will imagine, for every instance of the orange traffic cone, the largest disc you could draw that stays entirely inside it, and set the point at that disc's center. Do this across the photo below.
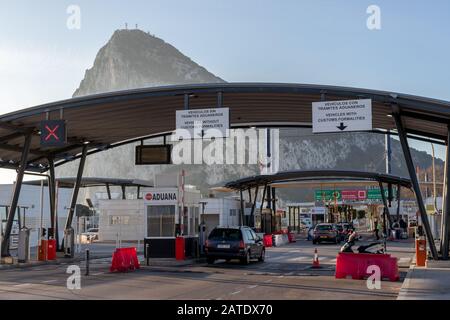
(316, 263)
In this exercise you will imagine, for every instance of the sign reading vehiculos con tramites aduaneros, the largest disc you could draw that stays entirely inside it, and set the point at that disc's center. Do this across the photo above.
(342, 115)
(204, 119)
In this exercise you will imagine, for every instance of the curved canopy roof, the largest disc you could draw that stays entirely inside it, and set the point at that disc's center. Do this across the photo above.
(88, 182)
(288, 177)
(112, 119)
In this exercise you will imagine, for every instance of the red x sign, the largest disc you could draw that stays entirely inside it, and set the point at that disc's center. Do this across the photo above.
(51, 132)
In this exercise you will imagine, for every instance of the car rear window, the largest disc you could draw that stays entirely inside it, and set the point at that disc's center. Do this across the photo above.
(324, 227)
(225, 235)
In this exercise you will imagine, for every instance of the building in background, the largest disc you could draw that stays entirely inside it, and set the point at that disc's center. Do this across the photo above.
(29, 207)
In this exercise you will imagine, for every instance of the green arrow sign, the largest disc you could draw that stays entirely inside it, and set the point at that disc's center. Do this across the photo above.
(328, 195)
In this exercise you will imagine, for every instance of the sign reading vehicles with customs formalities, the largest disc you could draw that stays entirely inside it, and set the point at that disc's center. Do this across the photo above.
(342, 115)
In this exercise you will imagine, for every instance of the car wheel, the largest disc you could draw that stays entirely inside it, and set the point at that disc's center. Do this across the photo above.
(246, 259)
(210, 260)
(262, 257)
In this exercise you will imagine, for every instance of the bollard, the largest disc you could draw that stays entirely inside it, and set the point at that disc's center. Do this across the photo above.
(87, 262)
(147, 253)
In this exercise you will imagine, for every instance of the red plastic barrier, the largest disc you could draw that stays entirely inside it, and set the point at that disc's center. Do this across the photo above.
(356, 264)
(124, 259)
(42, 256)
(291, 237)
(267, 239)
(51, 249)
(179, 248)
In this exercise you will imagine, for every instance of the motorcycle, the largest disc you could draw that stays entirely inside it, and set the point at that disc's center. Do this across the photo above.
(374, 247)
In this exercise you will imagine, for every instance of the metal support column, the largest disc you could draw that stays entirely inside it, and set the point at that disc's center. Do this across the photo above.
(263, 217)
(241, 216)
(398, 202)
(123, 193)
(385, 210)
(52, 199)
(252, 213)
(108, 191)
(446, 212)
(15, 196)
(274, 208)
(76, 187)
(414, 180)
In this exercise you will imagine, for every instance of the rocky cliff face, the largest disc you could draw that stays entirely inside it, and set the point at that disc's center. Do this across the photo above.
(133, 59)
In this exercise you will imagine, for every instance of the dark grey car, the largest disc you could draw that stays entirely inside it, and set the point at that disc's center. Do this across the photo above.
(234, 243)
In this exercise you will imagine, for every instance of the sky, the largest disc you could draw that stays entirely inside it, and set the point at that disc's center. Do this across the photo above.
(317, 41)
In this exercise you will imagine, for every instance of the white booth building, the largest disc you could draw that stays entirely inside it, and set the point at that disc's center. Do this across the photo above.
(164, 211)
(220, 212)
(171, 211)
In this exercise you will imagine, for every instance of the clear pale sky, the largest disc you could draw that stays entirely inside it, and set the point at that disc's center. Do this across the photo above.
(317, 41)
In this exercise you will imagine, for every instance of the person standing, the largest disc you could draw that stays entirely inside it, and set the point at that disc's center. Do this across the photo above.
(376, 230)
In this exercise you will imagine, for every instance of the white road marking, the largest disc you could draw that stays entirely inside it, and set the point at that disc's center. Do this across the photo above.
(22, 285)
(268, 280)
(298, 259)
(236, 292)
(280, 276)
(252, 287)
(98, 273)
(334, 260)
(49, 281)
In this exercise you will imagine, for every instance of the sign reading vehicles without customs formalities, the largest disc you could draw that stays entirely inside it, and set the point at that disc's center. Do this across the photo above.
(342, 115)
(203, 119)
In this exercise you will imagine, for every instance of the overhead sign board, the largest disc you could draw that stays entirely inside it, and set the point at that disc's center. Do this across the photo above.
(196, 121)
(328, 195)
(153, 154)
(375, 193)
(351, 194)
(342, 115)
(53, 133)
(354, 195)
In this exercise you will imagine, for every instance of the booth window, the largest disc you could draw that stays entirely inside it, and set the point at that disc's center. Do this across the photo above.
(193, 220)
(113, 220)
(161, 221)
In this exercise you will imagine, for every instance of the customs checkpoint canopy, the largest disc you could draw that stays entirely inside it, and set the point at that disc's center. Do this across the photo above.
(85, 125)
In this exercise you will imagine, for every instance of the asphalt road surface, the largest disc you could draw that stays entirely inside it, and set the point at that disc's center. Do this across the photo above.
(286, 274)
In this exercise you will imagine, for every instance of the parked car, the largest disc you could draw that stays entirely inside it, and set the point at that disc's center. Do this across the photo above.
(234, 243)
(326, 232)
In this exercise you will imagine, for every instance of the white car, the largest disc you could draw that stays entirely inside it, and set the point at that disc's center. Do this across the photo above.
(90, 235)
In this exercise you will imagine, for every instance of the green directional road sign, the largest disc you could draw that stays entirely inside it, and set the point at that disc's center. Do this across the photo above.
(375, 193)
(328, 195)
